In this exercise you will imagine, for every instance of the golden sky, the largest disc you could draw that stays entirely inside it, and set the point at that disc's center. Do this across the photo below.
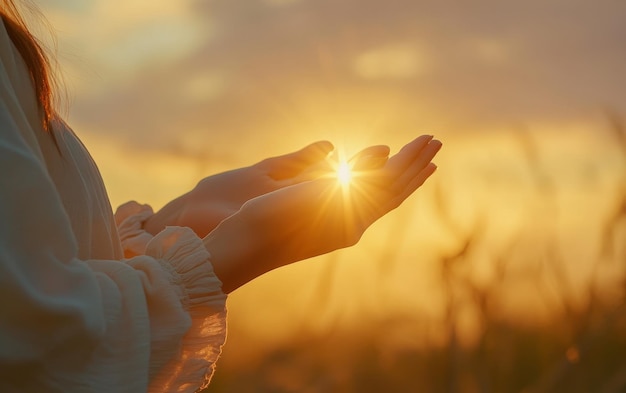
(194, 74)
(165, 92)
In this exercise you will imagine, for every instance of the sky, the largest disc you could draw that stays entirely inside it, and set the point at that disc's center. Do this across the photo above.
(165, 92)
(172, 74)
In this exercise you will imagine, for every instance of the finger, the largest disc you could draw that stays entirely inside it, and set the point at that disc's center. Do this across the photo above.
(373, 151)
(419, 163)
(412, 186)
(319, 170)
(399, 171)
(372, 157)
(291, 164)
(400, 161)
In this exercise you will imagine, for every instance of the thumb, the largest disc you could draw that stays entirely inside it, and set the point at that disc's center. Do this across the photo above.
(372, 157)
(290, 165)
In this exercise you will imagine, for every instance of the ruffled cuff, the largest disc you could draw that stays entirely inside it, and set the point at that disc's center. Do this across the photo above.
(130, 218)
(183, 255)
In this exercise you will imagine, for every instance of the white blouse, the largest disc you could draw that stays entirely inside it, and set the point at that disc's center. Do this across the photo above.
(75, 316)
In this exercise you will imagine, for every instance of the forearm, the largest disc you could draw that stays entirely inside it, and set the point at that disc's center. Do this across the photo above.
(237, 254)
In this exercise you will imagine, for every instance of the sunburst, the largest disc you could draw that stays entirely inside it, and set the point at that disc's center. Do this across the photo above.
(344, 173)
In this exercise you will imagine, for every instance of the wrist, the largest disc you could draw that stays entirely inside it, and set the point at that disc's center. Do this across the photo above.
(169, 215)
(235, 254)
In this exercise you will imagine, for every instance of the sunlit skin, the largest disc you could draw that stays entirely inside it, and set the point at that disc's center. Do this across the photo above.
(286, 209)
(220, 196)
(315, 217)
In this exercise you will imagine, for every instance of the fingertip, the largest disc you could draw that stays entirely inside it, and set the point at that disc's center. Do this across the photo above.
(324, 146)
(427, 137)
(433, 148)
(418, 143)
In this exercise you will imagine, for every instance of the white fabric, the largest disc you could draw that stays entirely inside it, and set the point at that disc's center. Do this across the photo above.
(75, 316)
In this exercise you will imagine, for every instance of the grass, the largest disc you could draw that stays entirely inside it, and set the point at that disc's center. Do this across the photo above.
(580, 348)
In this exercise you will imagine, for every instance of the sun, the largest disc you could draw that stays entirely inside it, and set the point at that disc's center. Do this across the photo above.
(344, 173)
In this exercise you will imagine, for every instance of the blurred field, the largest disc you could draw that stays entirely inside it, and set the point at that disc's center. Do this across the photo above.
(505, 274)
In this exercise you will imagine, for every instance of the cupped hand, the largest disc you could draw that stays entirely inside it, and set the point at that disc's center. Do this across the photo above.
(315, 217)
(219, 196)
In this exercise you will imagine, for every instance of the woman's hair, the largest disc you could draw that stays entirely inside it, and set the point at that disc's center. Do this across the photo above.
(35, 58)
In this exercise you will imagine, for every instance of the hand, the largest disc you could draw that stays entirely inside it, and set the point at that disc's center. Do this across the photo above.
(314, 217)
(218, 197)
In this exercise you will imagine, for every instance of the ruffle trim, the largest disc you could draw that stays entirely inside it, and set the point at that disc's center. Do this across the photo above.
(183, 254)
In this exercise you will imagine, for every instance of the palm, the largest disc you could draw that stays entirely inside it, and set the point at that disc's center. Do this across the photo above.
(314, 217)
(220, 196)
(319, 216)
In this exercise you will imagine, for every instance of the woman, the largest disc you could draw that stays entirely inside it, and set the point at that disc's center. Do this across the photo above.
(77, 316)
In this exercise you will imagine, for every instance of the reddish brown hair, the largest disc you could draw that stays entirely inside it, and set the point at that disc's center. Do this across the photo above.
(34, 56)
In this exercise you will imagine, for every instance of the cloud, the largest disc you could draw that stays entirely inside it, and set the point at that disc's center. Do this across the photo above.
(394, 61)
(119, 39)
(257, 70)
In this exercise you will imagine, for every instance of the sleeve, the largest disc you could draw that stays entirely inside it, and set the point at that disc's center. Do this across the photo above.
(154, 322)
(129, 218)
